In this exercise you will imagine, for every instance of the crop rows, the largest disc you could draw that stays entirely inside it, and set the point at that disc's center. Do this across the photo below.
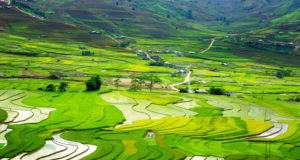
(116, 125)
(29, 132)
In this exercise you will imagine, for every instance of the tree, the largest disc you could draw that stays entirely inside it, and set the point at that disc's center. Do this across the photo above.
(190, 14)
(153, 80)
(117, 82)
(51, 88)
(283, 73)
(91, 85)
(63, 86)
(157, 63)
(134, 86)
(94, 83)
(141, 82)
(138, 81)
(98, 81)
(54, 76)
(217, 91)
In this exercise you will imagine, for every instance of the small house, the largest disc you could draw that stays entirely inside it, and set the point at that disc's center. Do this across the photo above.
(201, 91)
(156, 57)
(139, 52)
(231, 94)
(43, 36)
(225, 64)
(183, 71)
(142, 54)
(202, 81)
(95, 32)
(213, 69)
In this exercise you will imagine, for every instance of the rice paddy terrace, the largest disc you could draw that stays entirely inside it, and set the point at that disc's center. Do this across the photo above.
(176, 117)
(128, 125)
(259, 122)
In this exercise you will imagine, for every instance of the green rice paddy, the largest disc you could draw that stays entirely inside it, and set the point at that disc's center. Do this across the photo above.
(163, 124)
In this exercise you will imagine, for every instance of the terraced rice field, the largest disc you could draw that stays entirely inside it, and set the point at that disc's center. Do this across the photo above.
(33, 129)
(115, 125)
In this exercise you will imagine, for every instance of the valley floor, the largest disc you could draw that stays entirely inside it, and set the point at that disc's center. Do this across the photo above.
(257, 119)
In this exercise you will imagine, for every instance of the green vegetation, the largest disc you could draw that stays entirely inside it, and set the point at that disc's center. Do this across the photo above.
(50, 88)
(217, 91)
(283, 73)
(94, 83)
(3, 115)
(63, 86)
(76, 80)
(71, 114)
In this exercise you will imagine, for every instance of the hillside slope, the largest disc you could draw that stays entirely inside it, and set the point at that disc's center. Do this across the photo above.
(160, 18)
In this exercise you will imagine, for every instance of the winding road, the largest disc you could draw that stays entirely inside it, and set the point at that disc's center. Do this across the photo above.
(211, 44)
(149, 57)
(187, 79)
(189, 75)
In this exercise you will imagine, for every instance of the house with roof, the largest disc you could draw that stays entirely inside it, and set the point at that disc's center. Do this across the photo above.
(156, 57)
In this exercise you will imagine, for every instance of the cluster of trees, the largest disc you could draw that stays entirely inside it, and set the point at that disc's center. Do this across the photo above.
(54, 76)
(297, 99)
(183, 90)
(217, 91)
(52, 88)
(87, 53)
(278, 47)
(283, 73)
(121, 44)
(94, 83)
(137, 82)
(140, 81)
(223, 20)
(24, 6)
(157, 63)
(190, 14)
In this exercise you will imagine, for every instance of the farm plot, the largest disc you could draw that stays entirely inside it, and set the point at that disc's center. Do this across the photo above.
(145, 106)
(200, 127)
(17, 112)
(59, 148)
(233, 107)
(119, 145)
(233, 149)
(71, 114)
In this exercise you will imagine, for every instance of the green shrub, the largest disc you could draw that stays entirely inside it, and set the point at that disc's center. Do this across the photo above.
(3, 115)
(217, 91)
(183, 90)
(63, 86)
(283, 73)
(159, 63)
(87, 53)
(54, 76)
(94, 83)
(51, 88)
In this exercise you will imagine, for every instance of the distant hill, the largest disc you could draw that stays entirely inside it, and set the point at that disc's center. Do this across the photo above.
(161, 18)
